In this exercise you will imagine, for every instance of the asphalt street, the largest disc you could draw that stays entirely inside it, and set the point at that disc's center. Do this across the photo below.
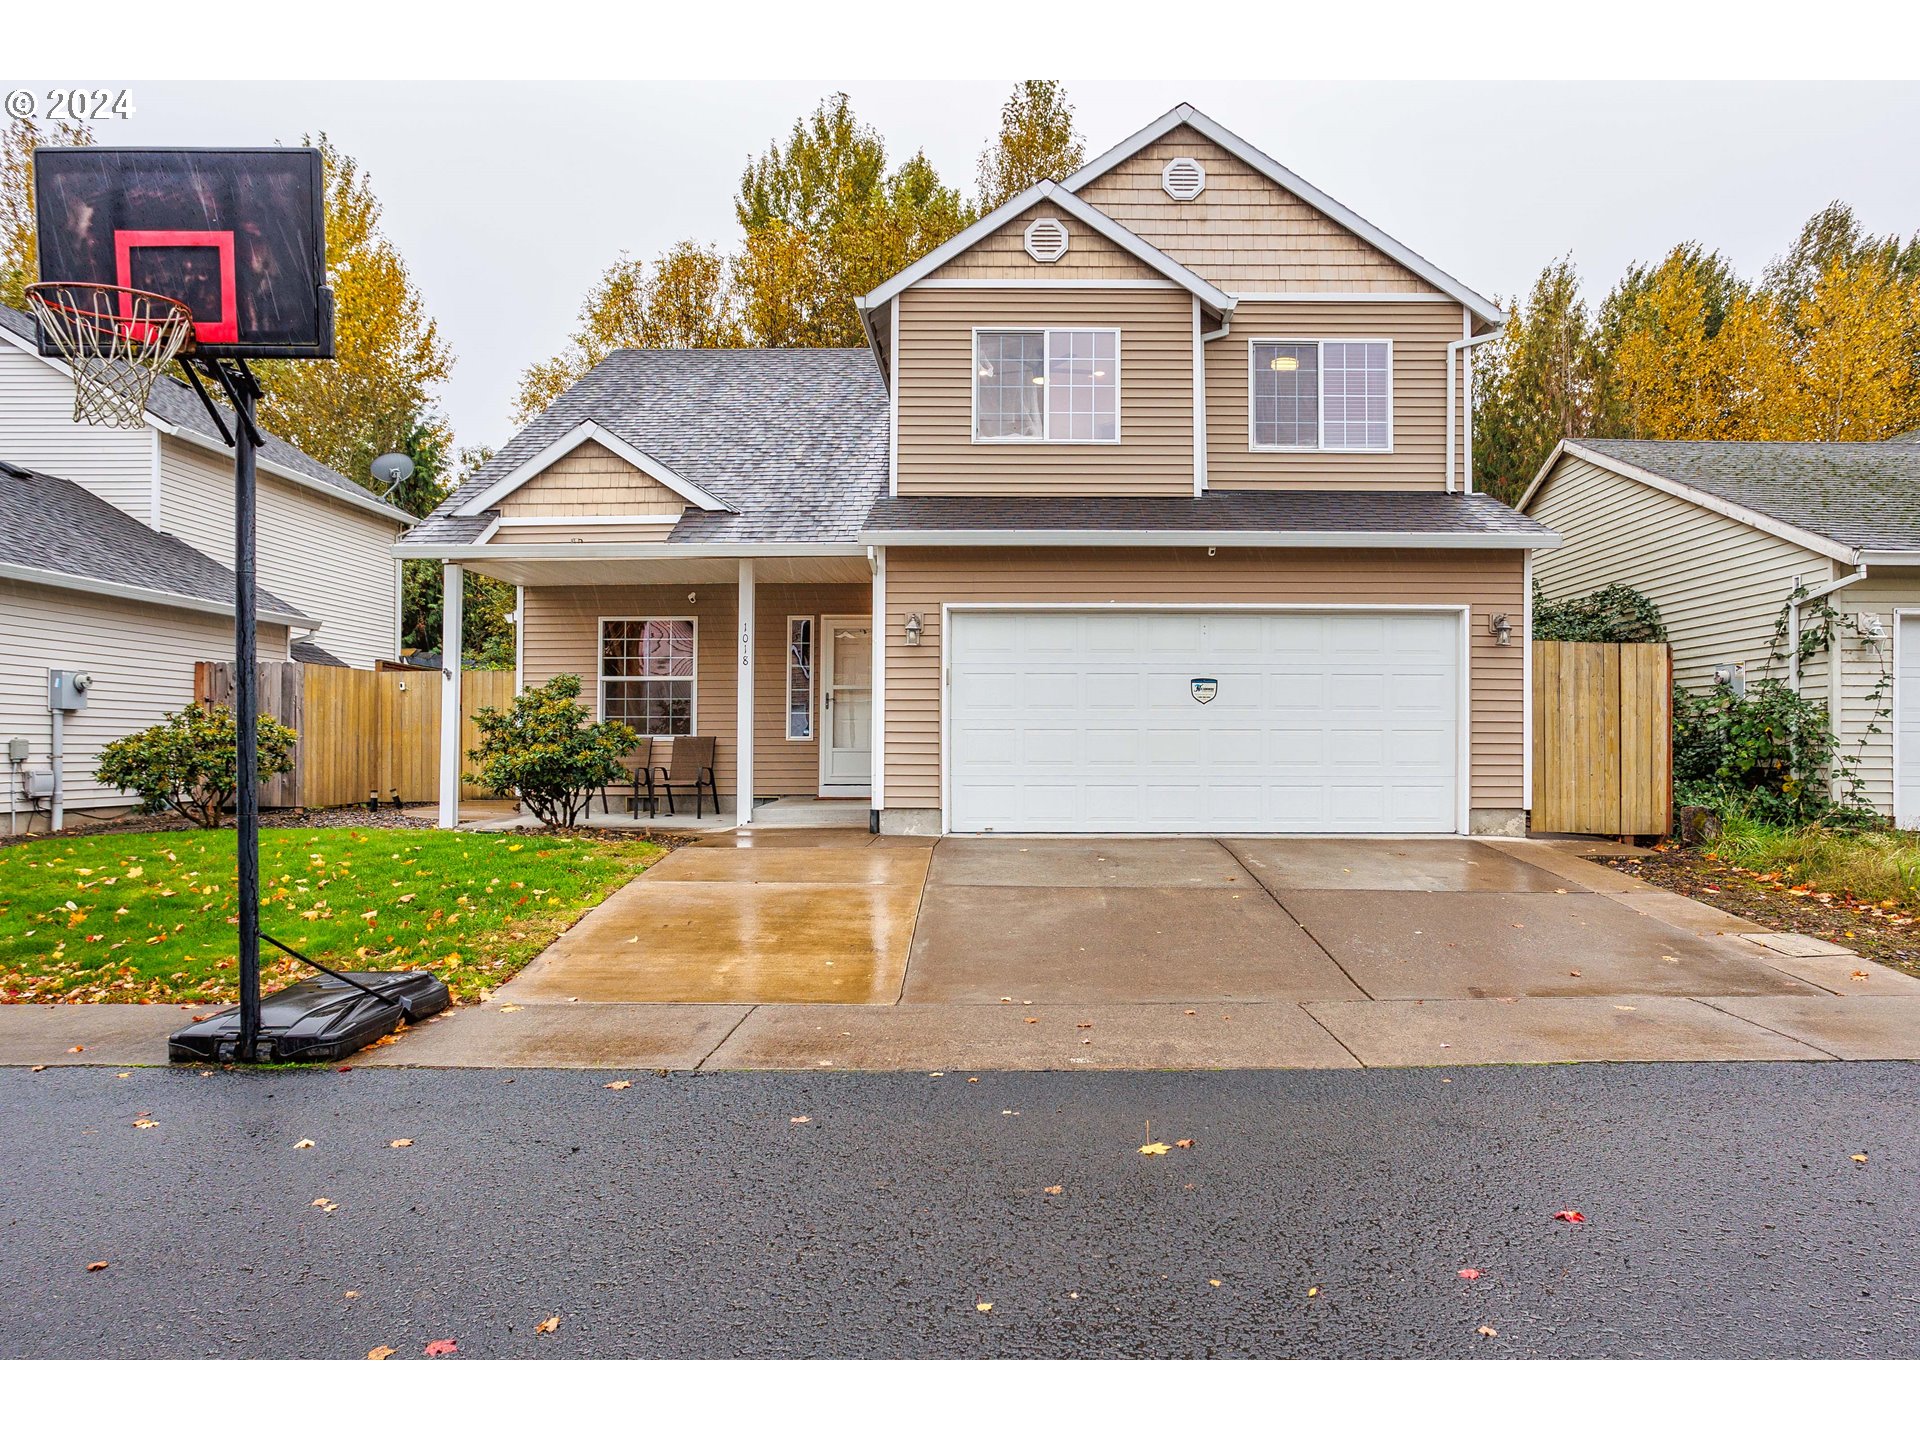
(694, 1215)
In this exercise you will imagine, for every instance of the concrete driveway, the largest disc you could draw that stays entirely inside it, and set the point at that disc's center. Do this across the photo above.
(805, 949)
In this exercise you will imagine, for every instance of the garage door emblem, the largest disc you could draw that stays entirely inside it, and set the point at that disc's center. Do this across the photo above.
(1204, 690)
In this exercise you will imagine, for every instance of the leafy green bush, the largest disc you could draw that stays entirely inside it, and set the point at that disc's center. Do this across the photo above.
(190, 762)
(548, 750)
(1768, 749)
(1617, 614)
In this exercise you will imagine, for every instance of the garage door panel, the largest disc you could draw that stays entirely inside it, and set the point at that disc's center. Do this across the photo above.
(1338, 721)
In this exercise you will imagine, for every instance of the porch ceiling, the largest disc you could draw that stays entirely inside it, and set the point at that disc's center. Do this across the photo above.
(768, 570)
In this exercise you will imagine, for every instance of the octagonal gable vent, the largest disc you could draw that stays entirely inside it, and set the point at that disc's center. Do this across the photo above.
(1184, 177)
(1046, 240)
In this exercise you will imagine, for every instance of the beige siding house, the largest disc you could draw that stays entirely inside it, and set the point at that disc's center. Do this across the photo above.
(1145, 510)
(1745, 546)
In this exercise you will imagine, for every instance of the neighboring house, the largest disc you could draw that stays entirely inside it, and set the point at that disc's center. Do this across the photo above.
(1147, 509)
(1740, 544)
(130, 585)
(325, 543)
(84, 586)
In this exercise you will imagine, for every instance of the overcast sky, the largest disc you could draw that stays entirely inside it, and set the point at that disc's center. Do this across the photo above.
(507, 200)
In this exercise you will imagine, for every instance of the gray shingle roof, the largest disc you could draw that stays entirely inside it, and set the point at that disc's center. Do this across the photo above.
(47, 523)
(1861, 494)
(1433, 513)
(173, 400)
(794, 440)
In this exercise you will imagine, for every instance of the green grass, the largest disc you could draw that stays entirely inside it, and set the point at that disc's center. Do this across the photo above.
(152, 918)
(1876, 866)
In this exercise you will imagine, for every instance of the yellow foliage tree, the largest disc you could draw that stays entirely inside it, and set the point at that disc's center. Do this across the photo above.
(1855, 370)
(1037, 141)
(19, 246)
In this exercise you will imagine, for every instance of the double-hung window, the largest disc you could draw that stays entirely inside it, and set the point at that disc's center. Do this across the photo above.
(1059, 385)
(799, 677)
(1321, 395)
(647, 674)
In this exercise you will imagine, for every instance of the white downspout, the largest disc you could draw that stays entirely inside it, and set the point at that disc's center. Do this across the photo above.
(1456, 349)
(453, 596)
(743, 702)
(877, 566)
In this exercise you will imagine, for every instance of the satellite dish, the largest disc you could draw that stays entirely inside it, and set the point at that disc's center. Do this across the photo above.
(391, 471)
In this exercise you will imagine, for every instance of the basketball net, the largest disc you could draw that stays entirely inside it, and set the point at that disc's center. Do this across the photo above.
(115, 340)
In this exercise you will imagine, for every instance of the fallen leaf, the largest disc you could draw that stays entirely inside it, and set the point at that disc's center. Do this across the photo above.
(1031, 1020)
(1312, 1290)
(1860, 1159)
(144, 1123)
(1469, 1274)
(1572, 1217)
(398, 1144)
(1056, 1189)
(509, 1009)
(38, 1068)
(1626, 1007)
(436, 1348)
(352, 1295)
(1156, 1148)
(303, 1144)
(1184, 1144)
(618, 1085)
(75, 1049)
(1488, 1331)
(1574, 973)
(548, 1325)
(984, 1306)
(97, 1265)
(801, 1120)
(973, 1079)
(380, 1352)
(1214, 1283)
(124, 1074)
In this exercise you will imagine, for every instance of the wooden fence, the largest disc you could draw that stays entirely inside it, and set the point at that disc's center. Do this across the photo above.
(361, 731)
(1602, 738)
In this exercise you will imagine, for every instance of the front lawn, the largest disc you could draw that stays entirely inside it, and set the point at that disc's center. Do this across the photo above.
(150, 917)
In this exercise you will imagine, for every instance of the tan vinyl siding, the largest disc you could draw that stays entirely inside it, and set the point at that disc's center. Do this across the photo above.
(562, 626)
(1243, 232)
(37, 430)
(1420, 332)
(921, 581)
(937, 453)
(141, 657)
(1720, 584)
(328, 559)
(592, 480)
(1866, 684)
(1003, 254)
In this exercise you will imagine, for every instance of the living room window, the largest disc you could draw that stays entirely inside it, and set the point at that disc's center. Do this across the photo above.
(1046, 385)
(647, 674)
(799, 677)
(1334, 395)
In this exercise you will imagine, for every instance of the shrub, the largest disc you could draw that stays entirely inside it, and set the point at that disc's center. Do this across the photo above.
(1764, 752)
(190, 761)
(1616, 614)
(547, 749)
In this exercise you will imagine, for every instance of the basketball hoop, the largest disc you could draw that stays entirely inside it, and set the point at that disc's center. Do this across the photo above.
(116, 341)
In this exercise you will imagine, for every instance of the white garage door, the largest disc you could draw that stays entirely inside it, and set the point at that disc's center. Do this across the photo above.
(1204, 721)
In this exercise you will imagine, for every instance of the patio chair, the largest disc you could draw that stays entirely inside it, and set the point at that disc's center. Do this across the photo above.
(638, 763)
(691, 767)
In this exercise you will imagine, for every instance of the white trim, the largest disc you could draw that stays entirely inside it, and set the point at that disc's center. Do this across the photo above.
(1199, 174)
(520, 640)
(509, 522)
(1241, 539)
(813, 679)
(1039, 237)
(1286, 180)
(1888, 557)
(627, 550)
(1011, 284)
(893, 399)
(87, 585)
(580, 434)
(453, 619)
(747, 610)
(879, 588)
(1805, 539)
(1095, 220)
(845, 790)
(1897, 700)
(1199, 403)
(1319, 342)
(1046, 333)
(600, 676)
(1340, 297)
(1526, 684)
(399, 604)
(1464, 614)
(153, 484)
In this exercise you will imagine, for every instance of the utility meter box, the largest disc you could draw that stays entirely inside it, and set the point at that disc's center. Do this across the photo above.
(67, 689)
(38, 784)
(18, 750)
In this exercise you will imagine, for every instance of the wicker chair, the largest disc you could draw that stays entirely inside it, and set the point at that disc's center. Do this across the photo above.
(638, 763)
(691, 768)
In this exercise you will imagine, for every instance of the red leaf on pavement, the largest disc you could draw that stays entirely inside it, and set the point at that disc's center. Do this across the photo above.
(436, 1348)
(1469, 1274)
(1572, 1217)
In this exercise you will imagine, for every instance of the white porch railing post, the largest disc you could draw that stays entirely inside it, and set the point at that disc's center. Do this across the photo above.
(452, 603)
(743, 717)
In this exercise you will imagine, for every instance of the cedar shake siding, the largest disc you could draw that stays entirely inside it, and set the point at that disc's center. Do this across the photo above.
(591, 480)
(922, 580)
(1003, 255)
(937, 452)
(1243, 232)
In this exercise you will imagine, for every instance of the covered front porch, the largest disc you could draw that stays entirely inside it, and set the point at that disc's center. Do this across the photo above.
(769, 655)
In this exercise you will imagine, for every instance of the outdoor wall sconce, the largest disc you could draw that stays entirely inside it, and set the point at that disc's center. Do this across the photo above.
(1502, 629)
(915, 628)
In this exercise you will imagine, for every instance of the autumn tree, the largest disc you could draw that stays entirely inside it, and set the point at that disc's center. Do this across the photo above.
(389, 358)
(1535, 384)
(1663, 376)
(1854, 340)
(487, 633)
(19, 246)
(1037, 141)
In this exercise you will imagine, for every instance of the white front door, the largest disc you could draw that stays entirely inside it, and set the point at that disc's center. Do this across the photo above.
(1204, 721)
(846, 694)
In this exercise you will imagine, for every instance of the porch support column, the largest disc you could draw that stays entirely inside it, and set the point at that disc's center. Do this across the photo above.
(452, 601)
(743, 717)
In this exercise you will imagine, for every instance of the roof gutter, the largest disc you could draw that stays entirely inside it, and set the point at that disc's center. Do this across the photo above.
(614, 550)
(1216, 539)
(87, 585)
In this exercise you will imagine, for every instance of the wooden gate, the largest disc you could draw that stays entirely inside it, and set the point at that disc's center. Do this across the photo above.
(1602, 738)
(361, 731)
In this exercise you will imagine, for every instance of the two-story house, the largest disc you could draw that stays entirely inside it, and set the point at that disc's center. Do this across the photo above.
(115, 559)
(1146, 510)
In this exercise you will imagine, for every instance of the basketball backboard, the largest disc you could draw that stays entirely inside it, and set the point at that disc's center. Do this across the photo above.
(238, 235)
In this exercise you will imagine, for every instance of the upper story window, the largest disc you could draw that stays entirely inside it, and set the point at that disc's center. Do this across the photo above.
(1321, 395)
(1061, 385)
